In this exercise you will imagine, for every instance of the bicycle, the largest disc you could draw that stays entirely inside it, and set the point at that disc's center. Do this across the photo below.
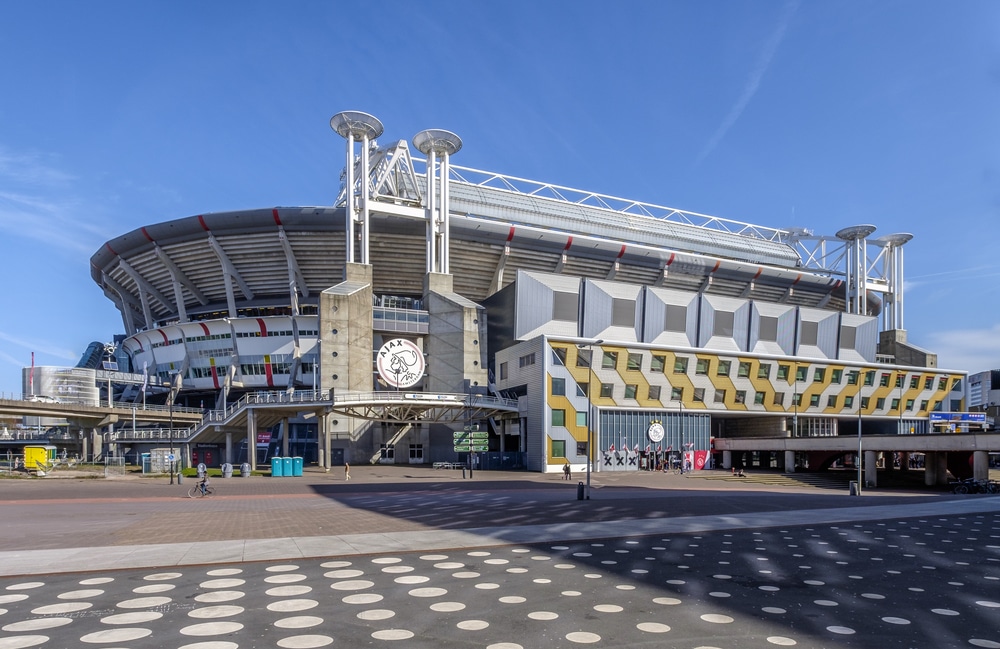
(201, 489)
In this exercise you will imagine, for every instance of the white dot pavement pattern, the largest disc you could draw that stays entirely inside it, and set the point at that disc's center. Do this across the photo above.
(914, 582)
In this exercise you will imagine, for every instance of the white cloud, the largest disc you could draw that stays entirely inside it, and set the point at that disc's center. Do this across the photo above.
(972, 350)
(753, 81)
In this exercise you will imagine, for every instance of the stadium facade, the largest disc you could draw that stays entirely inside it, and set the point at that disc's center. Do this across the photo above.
(620, 329)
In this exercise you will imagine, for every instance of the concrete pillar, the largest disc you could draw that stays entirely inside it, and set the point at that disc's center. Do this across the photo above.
(789, 461)
(84, 444)
(727, 459)
(252, 439)
(229, 448)
(284, 436)
(324, 431)
(980, 465)
(904, 461)
(930, 468)
(98, 443)
(871, 468)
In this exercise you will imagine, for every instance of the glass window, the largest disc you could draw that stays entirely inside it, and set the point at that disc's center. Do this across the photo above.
(929, 383)
(720, 396)
(723, 368)
(526, 360)
(758, 398)
(559, 355)
(622, 312)
(503, 371)
(836, 376)
(723, 325)
(819, 375)
(744, 369)
(416, 451)
(764, 371)
(914, 382)
(831, 401)
(879, 403)
(796, 399)
(558, 448)
(909, 404)
(782, 373)
(849, 401)
(680, 365)
(701, 366)
(630, 391)
(864, 403)
(870, 377)
(852, 377)
(800, 372)
(581, 419)
(699, 394)
(779, 399)
(741, 396)
(582, 389)
(583, 357)
(923, 405)
(883, 380)
(558, 387)
(609, 360)
(956, 384)
(676, 394)
(657, 363)
(895, 405)
(943, 384)
(634, 361)
(654, 393)
(814, 401)
(899, 380)
(558, 417)
(607, 390)
(581, 448)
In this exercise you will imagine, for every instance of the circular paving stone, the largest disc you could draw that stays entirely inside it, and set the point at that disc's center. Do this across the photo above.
(292, 605)
(116, 635)
(393, 634)
(652, 627)
(305, 641)
(211, 628)
(376, 614)
(583, 637)
(298, 622)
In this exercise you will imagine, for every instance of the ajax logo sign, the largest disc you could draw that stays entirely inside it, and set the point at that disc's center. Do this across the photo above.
(400, 363)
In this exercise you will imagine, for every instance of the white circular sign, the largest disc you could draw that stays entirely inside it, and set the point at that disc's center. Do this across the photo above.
(655, 432)
(400, 363)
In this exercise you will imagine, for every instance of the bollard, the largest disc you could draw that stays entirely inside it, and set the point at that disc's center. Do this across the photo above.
(463, 473)
(579, 491)
(180, 478)
(854, 487)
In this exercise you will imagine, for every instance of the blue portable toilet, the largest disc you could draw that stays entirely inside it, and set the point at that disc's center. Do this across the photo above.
(297, 467)
(286, 466)
(277, 467)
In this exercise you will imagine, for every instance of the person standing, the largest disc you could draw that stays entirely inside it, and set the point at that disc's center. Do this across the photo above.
(567, 471)
(347, 472)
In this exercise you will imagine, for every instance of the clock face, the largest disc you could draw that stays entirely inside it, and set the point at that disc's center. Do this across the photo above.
(655, 432)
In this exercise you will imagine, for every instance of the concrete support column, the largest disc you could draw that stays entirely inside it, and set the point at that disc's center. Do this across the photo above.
(252, 439)
(789, 461)
(904, 461)
(941, 460)
(727, 459)
(84, 444)
(324, 431)
(930, 468)
(98, 443)
(980, 465)
(229, 448)
(285, 432)
(871, 468)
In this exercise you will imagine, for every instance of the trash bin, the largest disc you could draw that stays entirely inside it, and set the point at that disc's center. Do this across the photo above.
(854, 487)
(245, 470)
(201, 469)
(297, 467)
(579, 490)
(227, 470)
(286, 466)
(277, 468)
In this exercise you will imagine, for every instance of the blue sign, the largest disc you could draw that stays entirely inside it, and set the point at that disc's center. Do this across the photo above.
(958, 417)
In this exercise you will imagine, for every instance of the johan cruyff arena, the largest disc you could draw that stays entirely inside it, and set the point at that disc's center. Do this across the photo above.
(435, 313)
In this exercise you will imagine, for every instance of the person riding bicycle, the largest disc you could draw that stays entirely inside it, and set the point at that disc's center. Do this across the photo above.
(203, 485)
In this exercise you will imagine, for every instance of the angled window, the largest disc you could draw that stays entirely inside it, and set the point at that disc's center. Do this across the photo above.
(699, 394)
(819, 374)
(607, 390)
(558, 448)
(622, 312)
(630, 391)
(764, 371)
(723, 368)
(849, 401)
(609, 360)
(634, 361)
(564, 306)
(782, 373)
(914, 382)
(654, 393)
(831, 401)
(724, 324)
(720, 396)
(852, 377)
(879, 403)
(809, 333)
(836, 376)
(779, 399)
(558, 417)
(559, 356)
(680, 365)
(657, 363)
(583, 357)
(741, 396)
(814, 401)
(558, 387)
(883, 380)
(675, 319)
(701, 366)
(744, 370)
(800, 372)
(676, 394)
(768, 329)
(758, 398)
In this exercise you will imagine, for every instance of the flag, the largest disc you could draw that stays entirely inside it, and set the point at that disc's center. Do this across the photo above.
(145, 375)
(647, 448)
(659, 448)
(612, 449)
(670, 448)
(689, 445)
(635, 449)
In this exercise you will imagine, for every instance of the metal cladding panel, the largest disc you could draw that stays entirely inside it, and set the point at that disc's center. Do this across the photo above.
(599, 312)
(714, 331)
(865, 337)
(785, 340)
(656, 302)
(533, 377)
(827, 325)
(535, 304)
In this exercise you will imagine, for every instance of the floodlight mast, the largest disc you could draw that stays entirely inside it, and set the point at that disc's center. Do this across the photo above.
(354, 125)
(433, 143)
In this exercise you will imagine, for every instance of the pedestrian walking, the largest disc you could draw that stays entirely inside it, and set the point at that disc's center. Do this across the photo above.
(347, 471)
(567, 471)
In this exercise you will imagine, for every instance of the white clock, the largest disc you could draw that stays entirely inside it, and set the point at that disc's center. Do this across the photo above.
(655, 432)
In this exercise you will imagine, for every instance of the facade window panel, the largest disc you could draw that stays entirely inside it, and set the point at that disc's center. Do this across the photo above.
(558, 417)
(797, 399)
(814, 401)
(943, 384)
(558, 387)
(564, 306)
(723, 368)
(900, 378)
(581, 448)
(720, 396)
(581, 419)
(634, 361)
(680, 365)
(782, 373)
(758, 398)
(914, 382)
(865, 401)
(609, 360)
(956, 385)
(849, 401)
(699, 395)
(779, 399)
(831, 401)
(768, 329)
(883, 380)
(724, 322)
(607, 390)
(909, 404)
(895, 405)
(701, 366)
(800, 372)
(622, 312)
(852, 377)
(836, 376)
(848, 337)
(559, 356)
(654, 393)
(582, 389)
(657, 363)
(819, 374)
(526, 360)
(676, 394)
(929, 383)
(744, 370)
(741, 396)
(417, 452)
(558, 448)
(583, 357)
(879, 403)
(956, 405)
(809, 333)
(675, 319)
(503, 371)
(764, 371)
(870, 377)
(630, 391)
(923, 405)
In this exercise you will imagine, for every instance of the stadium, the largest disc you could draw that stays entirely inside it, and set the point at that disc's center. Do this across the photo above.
(440, 314)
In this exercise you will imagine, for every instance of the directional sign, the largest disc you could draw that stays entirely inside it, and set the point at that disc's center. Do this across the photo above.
(170, 458)
(466, 448)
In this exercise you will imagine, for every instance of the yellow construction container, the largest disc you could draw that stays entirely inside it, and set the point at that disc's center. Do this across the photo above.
(33, 455)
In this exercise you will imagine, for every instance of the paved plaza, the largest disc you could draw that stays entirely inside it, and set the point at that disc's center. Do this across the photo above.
(413, 557)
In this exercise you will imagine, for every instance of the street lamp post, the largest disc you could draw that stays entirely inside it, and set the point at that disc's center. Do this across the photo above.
(170, 432)
(590, 411)
(860, 450)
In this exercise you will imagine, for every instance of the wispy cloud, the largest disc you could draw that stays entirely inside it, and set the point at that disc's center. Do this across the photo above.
(753, 81)
(973, 350)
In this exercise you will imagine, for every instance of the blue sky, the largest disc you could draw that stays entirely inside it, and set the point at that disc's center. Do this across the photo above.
(821, 115)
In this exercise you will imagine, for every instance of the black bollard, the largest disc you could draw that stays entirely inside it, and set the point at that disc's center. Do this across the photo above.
(579, 491)
(463, 473)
